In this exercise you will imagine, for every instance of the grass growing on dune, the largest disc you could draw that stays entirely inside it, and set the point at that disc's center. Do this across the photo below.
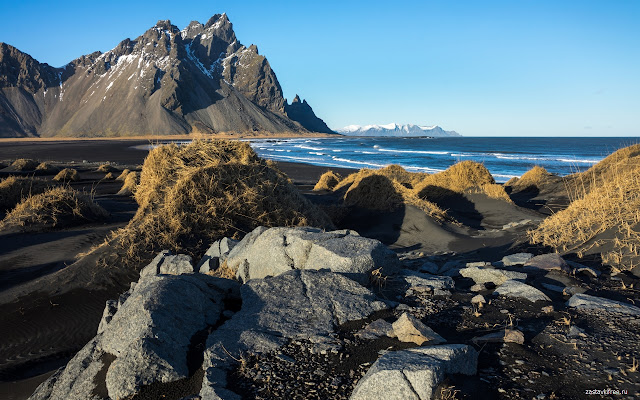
(604, 214)
(14, 189)
(24, 164)
(106, 168)
(130, 184)
(383, 189)
(46, 168)
(55, 208)
(459, 177)
(327, 181)
(191, 195)
(123, 175)
(67, 175)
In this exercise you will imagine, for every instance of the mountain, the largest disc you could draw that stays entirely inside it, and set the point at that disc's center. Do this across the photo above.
(393, 129)
(166, 81)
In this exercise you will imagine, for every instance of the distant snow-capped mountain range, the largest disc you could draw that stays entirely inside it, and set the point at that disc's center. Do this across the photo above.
(393, 129)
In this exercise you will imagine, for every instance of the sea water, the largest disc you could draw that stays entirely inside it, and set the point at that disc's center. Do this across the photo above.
(504, 157)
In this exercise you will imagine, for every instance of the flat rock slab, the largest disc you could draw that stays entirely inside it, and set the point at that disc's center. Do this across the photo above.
(419, 281)
(548, 262)
(414, 374)
(147, 338)
(513, 288)
(299, 304)
(497, 276)
(586, 302)
(270, 252)
(516, 259)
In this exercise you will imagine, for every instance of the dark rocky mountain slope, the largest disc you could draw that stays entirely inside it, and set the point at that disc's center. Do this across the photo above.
(167, 81)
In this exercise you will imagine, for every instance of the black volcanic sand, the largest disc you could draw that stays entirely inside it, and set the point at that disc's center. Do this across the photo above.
(50, 310)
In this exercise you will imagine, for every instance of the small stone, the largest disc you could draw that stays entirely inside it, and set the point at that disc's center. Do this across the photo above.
(547, 309)
(513, 336)
(478, 299)
(408, 329)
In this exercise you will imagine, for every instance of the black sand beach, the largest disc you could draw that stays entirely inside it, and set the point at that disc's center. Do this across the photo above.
(50, 305)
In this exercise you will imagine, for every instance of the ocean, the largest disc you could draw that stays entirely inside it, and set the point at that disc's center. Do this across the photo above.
(504, 157)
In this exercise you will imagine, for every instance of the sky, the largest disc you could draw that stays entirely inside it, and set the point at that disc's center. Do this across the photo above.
(490, 68)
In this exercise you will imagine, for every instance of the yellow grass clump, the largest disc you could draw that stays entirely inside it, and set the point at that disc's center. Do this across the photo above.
(603, 218)
(57, 207)
(24, 164)
(376, 190)
(123, 175)
(67, 175)
(463, 177)
(458, 178)
(495, 191)
(46, 168)
(109, 176)
(535, 178)
(106, 168)
(130, 184)
(194, 194)
(327, 181)
(14, 189)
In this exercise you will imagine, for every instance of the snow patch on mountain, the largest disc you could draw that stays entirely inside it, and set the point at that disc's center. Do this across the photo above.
(397, 130)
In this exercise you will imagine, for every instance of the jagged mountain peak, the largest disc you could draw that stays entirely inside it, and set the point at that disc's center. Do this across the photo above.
(167, 80)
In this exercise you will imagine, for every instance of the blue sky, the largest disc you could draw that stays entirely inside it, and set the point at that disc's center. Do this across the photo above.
(491, 68)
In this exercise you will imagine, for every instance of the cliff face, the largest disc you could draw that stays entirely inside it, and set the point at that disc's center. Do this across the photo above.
(166, 81)
(303, 113)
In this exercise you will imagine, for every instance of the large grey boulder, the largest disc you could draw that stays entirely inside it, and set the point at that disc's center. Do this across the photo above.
(147, 338)
(299, 304)
(497, 276)
(78, 380)
(513, 288)
(586, 302)
(215, 255)
(414, 374)
(270, 252)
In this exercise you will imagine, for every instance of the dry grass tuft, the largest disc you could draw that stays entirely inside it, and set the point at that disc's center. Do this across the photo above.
(374, 189)
(106, 168)
(164, 164)
(604, 216)
(495, 191)
(109, 177)
(534, 179)
(130, 184)
(460, 178)
(327, 181)
(67, 175)
(191, 195)
(46, 168)
(24, 164)
(123, 175)
(14, 189)
(57, 207)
